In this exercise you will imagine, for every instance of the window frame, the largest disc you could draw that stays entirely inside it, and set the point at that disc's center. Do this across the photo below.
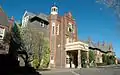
(57, 28)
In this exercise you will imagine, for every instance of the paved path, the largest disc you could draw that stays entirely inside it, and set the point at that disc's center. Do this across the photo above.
(111, 70)
(59, 72)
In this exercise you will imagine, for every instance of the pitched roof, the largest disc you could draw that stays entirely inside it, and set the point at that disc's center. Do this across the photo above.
(90, 43)
(101, 47)
(3, 17)
(41, 15)
(31, 14)
(104, 48)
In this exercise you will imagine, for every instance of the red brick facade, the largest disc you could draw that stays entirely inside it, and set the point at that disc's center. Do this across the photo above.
(58, 34)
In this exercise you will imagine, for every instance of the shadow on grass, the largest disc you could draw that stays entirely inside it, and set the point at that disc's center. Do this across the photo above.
(9, 66)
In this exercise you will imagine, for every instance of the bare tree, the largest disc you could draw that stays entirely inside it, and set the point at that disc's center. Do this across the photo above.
(114, 4)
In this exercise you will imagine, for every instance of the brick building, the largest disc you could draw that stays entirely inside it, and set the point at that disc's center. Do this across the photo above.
(62, 34)
(63, 31)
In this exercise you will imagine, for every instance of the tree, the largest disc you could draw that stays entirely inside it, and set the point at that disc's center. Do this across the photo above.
(91, 56)
(46, 55)
(27, 43)
(84, 58)
(108, 60)
(111, 60)
(35, 45)
(114, 4)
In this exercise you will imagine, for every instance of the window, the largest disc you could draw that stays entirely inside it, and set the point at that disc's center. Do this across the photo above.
(54, 9)
(53, 28)
(70, 30)
(26, 18)
(42, 24)
(1, 31)
(70, 27)
(52, 57)
(57, 29)
(98, 59)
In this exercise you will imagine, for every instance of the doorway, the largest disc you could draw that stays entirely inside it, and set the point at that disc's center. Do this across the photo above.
(72, 59)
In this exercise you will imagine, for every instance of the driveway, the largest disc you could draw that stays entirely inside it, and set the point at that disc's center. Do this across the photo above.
(106, 70)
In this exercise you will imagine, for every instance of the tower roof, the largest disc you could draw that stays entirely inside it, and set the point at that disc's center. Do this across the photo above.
(54, 5)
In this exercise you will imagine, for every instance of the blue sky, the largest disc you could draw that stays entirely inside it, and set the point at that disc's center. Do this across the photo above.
(93, 19)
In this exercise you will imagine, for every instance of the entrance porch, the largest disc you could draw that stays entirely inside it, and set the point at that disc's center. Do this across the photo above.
(74, 55)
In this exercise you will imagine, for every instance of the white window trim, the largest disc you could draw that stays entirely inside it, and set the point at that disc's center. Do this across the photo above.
(53, 26)
(70, 26)
(58, 29)
(43, 25)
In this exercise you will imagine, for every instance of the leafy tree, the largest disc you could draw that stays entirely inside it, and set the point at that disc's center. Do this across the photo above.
(35, 45)
(111, 60)
(27, 43)
(91, 56)
(46, 55)
(108, 60)
(83, 58)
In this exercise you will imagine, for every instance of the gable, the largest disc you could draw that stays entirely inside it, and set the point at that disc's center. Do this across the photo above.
(3, 18)
(38, 19)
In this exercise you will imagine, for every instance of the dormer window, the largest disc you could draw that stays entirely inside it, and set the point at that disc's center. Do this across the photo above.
(42, 24)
